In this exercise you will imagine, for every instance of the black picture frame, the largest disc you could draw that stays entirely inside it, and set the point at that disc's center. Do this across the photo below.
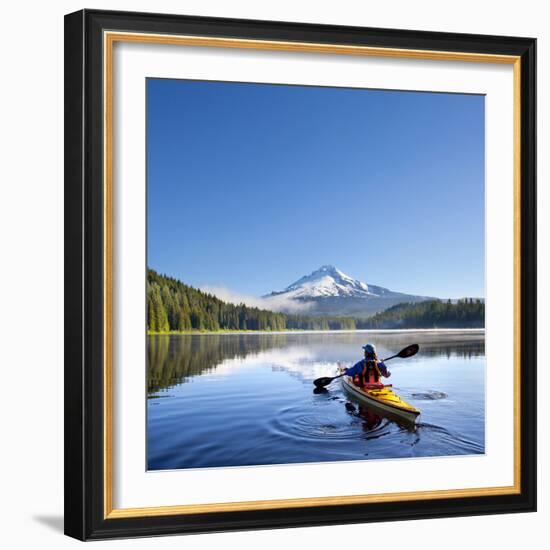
(84, 275)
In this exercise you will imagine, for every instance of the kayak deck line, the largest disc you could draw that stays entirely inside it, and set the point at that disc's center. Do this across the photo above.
(383, 399)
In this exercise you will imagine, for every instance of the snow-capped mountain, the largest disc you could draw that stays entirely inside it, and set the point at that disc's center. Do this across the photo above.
(329, 281)
(329, 291)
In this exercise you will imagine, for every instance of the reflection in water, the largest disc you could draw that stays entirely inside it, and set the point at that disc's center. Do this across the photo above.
(372, 419)
(173, 358)
(248, 399)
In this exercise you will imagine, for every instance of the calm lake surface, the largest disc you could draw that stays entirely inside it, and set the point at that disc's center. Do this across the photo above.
(247, 399)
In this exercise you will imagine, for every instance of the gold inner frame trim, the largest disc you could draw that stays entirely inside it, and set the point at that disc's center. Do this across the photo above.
(109, 39)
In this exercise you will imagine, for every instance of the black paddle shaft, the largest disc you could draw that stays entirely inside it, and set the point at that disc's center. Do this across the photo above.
(409, 351)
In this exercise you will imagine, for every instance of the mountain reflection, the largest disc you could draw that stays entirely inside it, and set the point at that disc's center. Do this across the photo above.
(173, 359)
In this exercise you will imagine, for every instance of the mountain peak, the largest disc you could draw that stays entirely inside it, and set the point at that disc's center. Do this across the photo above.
(326, 281)
(328, 269)
(329, 291)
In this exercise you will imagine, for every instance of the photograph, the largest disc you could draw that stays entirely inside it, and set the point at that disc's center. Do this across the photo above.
(315, 274)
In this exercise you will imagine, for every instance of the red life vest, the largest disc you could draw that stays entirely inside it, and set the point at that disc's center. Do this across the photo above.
(370, 377)
(370, 372)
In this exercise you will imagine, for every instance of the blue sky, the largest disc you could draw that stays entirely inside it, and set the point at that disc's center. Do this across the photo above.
(251, 186)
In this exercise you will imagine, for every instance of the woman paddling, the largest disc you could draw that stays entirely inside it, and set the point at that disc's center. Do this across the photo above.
(367, 372)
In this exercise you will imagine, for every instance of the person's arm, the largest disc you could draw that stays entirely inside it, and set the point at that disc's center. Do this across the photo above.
(384, 370)
(356, 369)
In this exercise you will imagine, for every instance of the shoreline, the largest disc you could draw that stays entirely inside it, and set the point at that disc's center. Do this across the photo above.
(362, 331)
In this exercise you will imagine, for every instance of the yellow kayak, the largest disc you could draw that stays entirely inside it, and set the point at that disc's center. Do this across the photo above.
(382, 399)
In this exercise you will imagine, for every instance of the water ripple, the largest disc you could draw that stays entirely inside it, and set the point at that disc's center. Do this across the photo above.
(329, 425)
(429, 395)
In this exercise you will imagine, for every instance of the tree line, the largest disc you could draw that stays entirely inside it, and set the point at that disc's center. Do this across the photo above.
(173, 306)
(465, 313)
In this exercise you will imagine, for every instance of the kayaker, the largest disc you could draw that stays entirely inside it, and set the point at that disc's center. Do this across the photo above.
(368, 370)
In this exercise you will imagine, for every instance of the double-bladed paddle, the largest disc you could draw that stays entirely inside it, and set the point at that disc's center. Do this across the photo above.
(409, 351)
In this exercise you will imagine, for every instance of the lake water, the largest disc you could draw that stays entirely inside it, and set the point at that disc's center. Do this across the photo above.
(247, 399)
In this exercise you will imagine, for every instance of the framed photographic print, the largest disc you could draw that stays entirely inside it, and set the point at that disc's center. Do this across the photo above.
(300, 274)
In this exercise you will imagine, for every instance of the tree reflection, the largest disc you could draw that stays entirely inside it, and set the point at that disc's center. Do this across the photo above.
(173, 359)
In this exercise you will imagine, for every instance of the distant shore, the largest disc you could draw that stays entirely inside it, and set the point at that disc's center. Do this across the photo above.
(369, 331)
